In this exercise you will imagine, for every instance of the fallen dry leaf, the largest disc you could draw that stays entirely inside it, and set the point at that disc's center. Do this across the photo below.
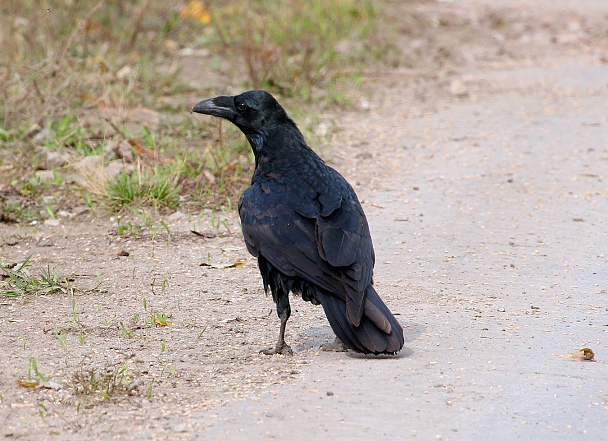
(583, 354)
(161, 322)
(29, 384)
(223, 265)
(205, 236)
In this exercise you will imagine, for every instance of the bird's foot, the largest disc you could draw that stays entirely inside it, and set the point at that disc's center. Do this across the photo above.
(335, 346)
(280, 348)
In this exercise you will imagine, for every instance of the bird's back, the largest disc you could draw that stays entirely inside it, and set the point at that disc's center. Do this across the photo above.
(309, 225)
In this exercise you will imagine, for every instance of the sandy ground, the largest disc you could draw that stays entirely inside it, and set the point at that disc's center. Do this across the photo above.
(487, 199)
(491, 229)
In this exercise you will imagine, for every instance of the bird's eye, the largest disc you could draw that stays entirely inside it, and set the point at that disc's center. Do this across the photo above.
(241, 106)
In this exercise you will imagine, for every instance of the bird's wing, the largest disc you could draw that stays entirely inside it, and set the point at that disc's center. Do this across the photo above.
(344, 241)
(327, 246)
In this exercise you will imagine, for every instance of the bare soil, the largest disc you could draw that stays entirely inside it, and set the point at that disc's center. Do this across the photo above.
(482, 167)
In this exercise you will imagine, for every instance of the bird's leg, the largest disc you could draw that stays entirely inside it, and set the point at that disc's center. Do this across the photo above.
(283, 311)
(335, 346)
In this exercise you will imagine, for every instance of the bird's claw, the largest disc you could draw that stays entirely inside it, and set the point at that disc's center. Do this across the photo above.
(283, 349)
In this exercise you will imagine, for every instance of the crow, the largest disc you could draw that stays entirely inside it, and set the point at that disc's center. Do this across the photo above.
(304, 223)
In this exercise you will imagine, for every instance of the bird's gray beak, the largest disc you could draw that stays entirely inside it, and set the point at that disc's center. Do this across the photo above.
(221, 106)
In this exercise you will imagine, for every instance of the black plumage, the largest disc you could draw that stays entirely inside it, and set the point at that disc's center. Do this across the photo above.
(304, 223)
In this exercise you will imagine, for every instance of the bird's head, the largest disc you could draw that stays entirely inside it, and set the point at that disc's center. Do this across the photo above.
(252, 111)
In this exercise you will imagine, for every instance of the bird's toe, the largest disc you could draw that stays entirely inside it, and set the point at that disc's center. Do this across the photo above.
(283, 349)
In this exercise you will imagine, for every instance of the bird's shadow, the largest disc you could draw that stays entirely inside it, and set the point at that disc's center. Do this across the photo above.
(314, 337)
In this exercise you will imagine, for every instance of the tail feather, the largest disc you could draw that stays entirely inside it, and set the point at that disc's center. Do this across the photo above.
(378, 332)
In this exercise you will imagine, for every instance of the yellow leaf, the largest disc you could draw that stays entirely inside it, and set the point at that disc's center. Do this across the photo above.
(162, 322)
(225, 265)
(583, 354)
(27, 383)
(197, 10)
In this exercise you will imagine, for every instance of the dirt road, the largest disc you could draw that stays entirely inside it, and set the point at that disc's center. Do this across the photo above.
(490, 223)
(491, 232)
(487, 202)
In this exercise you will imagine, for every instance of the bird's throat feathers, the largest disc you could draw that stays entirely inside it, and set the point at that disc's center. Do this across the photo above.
(283, 143)
(257, 140)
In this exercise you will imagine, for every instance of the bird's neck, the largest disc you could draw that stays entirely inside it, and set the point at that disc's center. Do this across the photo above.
(278, 147)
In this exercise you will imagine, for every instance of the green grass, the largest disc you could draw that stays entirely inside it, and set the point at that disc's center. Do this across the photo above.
(73, 74)
(111, 382)
(17, 281)
(292, 45)
(158, 186)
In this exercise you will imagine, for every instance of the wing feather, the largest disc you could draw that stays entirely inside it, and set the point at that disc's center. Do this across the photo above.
(332, 250)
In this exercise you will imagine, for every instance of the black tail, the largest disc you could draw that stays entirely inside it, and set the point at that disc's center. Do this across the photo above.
(378, 333)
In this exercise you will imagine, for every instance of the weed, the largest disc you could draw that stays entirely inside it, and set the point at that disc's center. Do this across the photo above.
(150, 391)
(99, 279)
(111, 381)
(290, 45)
(131, 228)
(74, 311)
(50, 211)
(41, 410)
(125, 331)
(60, 337)
(160, 319)
(158, 187)
(164, 285)
(72, 75)
(33, 366)
(217, 222)
(19, 282)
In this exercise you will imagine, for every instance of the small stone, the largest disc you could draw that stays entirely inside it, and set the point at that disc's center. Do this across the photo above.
(124, 72)
(109, 150)
(190, 52)
(322, 129)
(147, 117)
(42, 135)
(45, 176)
(52, 222)
(176, 216)
(209, 176)
(125, 151)
(570, 38)
(114, 168)
(89, 162)
(80, 210)
(54, 159)
(118, 150)
(458, 88)
(180, 428)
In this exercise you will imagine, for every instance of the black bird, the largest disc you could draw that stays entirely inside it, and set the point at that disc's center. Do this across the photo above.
(304, 223)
